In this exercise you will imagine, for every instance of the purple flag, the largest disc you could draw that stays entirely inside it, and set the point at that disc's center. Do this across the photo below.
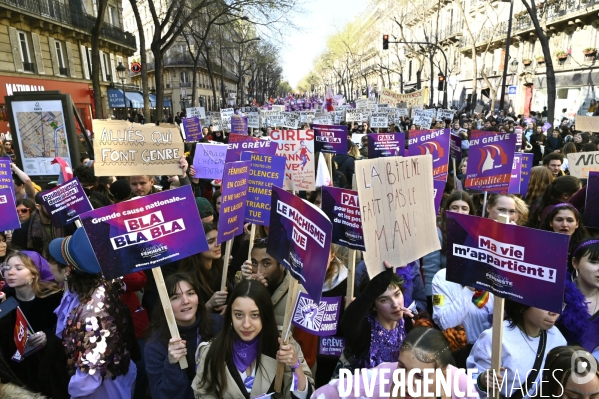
(317, 318)
(591, 211)
(145, 232)
(386, 145)
(516, 177)
(193, 128)
(514, 262)
(266, 171)
(300, 239)
(65, 202)
(239, 125)
(233, 200)
(209, 160)
(342, 208)
(526, 161)
(436, 143)
(330, 138)
(456, 147)
(490, 161)
(238, 144)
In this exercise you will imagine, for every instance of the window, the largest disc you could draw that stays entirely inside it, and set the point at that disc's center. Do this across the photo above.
(568, 40)
(112, 17)
(60, 58)
(184, 77)
(89, 61)
(28, 65)
(106, 67)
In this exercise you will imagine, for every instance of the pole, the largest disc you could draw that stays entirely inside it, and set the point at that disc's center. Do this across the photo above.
(432, 81)
(506, 58)
(222, 81)
(124, 100)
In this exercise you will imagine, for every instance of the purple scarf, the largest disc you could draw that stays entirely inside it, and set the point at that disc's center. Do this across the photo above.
(244, 353)
(41, 264)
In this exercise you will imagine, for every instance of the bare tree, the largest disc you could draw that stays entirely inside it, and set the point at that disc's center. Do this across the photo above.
(96, 65)
(143, 57)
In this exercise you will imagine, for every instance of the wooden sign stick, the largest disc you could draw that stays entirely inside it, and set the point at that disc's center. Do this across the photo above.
(223, 281)
(455, 173)
(329, 158)
(351, 274)
(291, 298)
(168, 311)
(252, 237)
(497, 327)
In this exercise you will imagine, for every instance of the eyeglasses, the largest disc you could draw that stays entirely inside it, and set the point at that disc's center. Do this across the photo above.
(23, 210)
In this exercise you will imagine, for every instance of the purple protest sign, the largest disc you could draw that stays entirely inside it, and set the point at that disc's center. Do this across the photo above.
(145, 232)
(209, 160)
(239, 125)
(238, 144)
(516, 177)
(192, 128)
(266, 171)
(490, 161)
(10, 218)
(65, 202)
(519, 134)
(233, 200)
(526, 162)
(546, 126)
(342, 208)
(331, 346)
(6, 180)
(300, 239)
(522, 264)
(436, 143)
(321, 319)
(591, 210)
(331, 139)
(439, 187)
(456, 147)
(386, 145)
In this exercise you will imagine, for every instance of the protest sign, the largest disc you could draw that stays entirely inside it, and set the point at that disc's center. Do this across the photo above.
(455, 147)
(300, 239)
(352, 115)
(21, 333)
(6, 180)
(253, 120)
(326, 119)
(247, 110)
(422, 119)
(379, 120)
(225, 118)
(233, 200)
(386, 145)
(321, 319)
(410, 99)
(587, 123)
(438, 188)
(516, 177)
(330, 139)
(238, 144)
(10, 217)
(591, 210)
(436, 143)
(306, 116)
(297, 146)
(215, 121)
(128, 149)
(274, 119)
(415, 108)
(526, 162)
(195, 112)
(291, 120)
(239, 125)
(266, 171)
(518, 131)
(278, 108)
(401, 112)
(65, 202)
(331, 346)
(444, 114)
(505, 260)
(581, 163)
(192, 128)
(490, 161)
(209, 160)
(145, 232)
(342, 208)
(397, 208)
(338, 117)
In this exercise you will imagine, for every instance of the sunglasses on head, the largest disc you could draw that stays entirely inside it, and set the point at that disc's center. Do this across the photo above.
(24, 210)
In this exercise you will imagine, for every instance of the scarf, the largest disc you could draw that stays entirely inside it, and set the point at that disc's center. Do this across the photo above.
(480, 298)
(70, 301)
(244, 353)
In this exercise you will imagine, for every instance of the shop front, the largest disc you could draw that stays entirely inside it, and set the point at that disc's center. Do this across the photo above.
(132, 104)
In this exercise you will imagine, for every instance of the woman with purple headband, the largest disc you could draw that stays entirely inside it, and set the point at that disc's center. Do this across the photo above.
(564, 218)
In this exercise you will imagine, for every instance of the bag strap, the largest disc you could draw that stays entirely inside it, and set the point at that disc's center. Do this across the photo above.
(532, 377)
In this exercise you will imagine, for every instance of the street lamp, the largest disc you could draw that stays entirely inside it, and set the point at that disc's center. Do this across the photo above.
(121, 72)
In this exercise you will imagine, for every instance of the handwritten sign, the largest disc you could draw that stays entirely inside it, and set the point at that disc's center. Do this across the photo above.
(353, 115)
(423, 119)
(225, 118)
(587, 123)
(379, 120)
(233, 200)
(581, 163)
(291, 120)
(253, 120)
(410, 99)
(209, 160)
(297, 146)
(197, 112)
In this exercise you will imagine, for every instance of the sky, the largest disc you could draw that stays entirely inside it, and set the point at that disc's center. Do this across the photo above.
(321, 19)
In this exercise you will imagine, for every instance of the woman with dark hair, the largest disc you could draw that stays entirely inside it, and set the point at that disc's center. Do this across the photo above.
(560, 190)
(540, 178)
(241, 362)
(528, 335)
(537, 139)
(216, 201)
(5, 247)
(569, 148)
(162, 353)
(564, 218)
(207, 267)
(565, 368)
(424, 348)
(25, 208)
(580, 139)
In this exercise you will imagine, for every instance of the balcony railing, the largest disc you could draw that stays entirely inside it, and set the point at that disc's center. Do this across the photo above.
(68, 14)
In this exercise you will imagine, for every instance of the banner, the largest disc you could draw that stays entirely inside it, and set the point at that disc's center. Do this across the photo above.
(436, 143)
(455, 148)
(209, 160)
(490, 161)
(581, 163)
(65, 202)
(297, 146)
(145, 232)
(419, 97)
(192, 129)
(330, 138)
(386, 145)
(321, 319)
(300, 239)
(591, 210)
(233, 200)
(342, 208)
(239, 125)
(129, 149)
(195, 112)
(397, 209)
(238, 144)
(266, 171)
(438, 188)
(505, 260)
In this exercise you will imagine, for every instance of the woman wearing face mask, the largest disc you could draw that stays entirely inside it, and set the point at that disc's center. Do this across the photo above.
(528, 335)
(162, 353)
(560, 190)
(564, 218)
(564, 369)
(424, 348)
(241, 362)
(459, 202)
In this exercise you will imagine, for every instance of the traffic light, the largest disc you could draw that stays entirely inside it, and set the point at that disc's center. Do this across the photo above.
(441, 85)
(385, 42)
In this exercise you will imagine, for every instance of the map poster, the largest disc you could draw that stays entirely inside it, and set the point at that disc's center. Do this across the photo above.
(41, 133)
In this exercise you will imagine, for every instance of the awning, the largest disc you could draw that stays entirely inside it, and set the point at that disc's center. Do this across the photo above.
(115, 99)
(135, 99)
(167, 103)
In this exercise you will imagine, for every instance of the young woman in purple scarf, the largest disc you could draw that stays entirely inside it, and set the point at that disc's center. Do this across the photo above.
(241, 362)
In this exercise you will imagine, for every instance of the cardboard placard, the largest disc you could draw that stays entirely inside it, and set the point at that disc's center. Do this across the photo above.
(379, 120)
(253, 120)
(587, 123)
(297, 146)
(410, 99)
(197, 112)
(581, 163)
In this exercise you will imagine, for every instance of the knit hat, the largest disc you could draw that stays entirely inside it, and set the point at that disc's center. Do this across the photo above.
(204, 207)
(120, 189)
